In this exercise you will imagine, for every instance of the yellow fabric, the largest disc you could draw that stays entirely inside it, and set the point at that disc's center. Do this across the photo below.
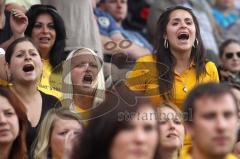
(185, 154)
(3, 82)
(144, 77)
(51, 83)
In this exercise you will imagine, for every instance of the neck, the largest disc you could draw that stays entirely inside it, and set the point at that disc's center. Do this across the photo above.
(5, 151)
(45, 53)
(182, 60)
(196, 154)
(25, 92)
(119, 23)
(170, 154)
(82, 101)
(1, 19)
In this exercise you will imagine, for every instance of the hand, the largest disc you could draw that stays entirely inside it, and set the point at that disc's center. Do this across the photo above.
(18, 23)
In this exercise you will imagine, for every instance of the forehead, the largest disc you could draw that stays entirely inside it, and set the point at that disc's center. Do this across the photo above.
(24, 45)
(232, 47)
(84, 56)
(44, 17)
(216, 104)
(180, 14)
(66, 124)
(4, 104)
(167, 113)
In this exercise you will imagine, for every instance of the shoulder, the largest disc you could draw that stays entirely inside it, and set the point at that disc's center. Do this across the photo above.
(50, 100)
(147, 58)
(210, 66)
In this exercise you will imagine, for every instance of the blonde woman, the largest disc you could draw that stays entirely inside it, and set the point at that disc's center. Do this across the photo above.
(53, 134)
(83, 80)
(171, 130)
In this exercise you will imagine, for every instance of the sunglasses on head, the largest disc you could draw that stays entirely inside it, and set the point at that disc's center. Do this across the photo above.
(229, 55)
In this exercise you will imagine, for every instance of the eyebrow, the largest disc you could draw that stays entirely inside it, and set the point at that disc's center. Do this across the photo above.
(178, 19)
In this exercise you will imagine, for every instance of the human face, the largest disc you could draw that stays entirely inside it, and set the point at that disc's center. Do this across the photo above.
(44, 33)
(61, 129)
(233, 63)
(171, 129)
(225, 4)
(139, 139)
(117, 8)
(9, 125)
(214, 127)
(25, 64)
(180, 31)
(236, 92)
(84, 72)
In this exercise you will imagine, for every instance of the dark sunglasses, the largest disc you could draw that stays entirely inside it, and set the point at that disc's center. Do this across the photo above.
(229, 55)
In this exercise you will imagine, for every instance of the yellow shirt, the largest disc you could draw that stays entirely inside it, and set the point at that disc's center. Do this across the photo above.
(185, 154)
(144, 77)
(51, 83)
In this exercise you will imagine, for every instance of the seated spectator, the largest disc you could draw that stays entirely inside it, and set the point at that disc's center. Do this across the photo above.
(202, 11)
(111, 32)
(24, 69)
(171, 131)
(58, 126)
(83, 80)
(213, 122)
(12, 25)
(118, 9)
(79, 17)
(229, 55)
(47, 31)
(13, 126)
(225, 13)
(120, 129)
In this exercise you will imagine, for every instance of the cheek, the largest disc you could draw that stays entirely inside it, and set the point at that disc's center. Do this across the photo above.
(15, 127)
(57, 142)
(76, 74)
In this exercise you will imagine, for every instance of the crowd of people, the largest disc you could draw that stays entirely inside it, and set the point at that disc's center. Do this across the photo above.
(119, 79)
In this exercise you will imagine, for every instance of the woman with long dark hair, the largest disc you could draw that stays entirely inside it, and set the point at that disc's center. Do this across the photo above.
(47, 31)
(178, 64)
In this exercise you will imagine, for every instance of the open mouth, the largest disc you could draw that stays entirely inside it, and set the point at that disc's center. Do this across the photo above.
(28, 68)
(44, 39)
(183, 36)
(172, 135)
(87, 79)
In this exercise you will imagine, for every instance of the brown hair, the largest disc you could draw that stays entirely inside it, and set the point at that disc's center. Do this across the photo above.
(18, 149)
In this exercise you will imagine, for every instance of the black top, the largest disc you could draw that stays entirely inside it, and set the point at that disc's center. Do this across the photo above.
(48, 102)
(5, 32)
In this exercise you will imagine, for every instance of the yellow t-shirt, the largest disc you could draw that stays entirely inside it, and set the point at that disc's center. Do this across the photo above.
(50, 83)
(185, 154)
(144, 77)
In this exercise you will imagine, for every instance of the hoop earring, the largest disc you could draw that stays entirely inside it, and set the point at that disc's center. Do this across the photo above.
(196, 43)
(165, 43)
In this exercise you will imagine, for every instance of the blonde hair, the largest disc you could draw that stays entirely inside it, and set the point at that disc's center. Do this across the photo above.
(41, 144)
(173, 107)
(68, 87)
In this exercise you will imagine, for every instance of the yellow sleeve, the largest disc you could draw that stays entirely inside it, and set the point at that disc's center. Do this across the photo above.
(144, 69)
(212, 71)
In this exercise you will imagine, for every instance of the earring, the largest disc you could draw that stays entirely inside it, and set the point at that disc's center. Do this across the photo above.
(165, 43)
(196, 43)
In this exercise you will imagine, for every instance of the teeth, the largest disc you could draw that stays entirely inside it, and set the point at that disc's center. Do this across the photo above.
(44, 39)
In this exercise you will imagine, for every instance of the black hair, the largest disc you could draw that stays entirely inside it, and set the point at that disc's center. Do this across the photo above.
(57, 54)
